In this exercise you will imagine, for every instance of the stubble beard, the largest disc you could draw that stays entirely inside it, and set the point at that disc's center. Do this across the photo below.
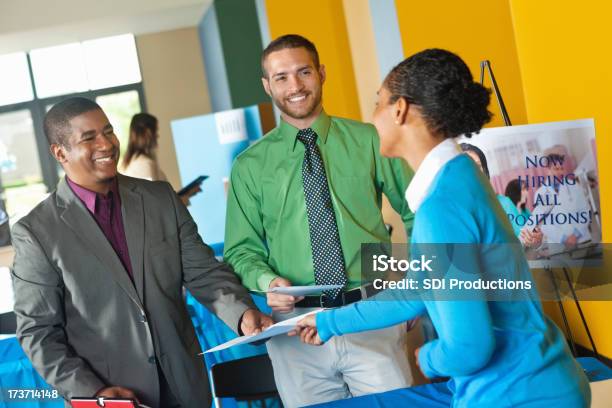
(286, 109)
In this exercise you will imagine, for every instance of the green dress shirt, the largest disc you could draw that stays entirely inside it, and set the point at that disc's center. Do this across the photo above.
(266, 232)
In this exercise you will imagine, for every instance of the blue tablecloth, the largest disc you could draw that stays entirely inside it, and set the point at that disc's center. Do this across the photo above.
(438, 395)
(429, 395)
(16, 372)
(595, 369)
(211, 332)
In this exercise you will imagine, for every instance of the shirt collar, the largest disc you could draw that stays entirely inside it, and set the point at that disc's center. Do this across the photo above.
(320, 126)
(444, 152)
(89, 197)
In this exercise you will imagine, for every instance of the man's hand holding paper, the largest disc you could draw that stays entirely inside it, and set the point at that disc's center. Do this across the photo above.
(253, 321)
(281, 303)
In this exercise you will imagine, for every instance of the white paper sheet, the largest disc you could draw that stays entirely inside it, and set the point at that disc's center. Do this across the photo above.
(6, 290)
(277, 329)
(302, 290)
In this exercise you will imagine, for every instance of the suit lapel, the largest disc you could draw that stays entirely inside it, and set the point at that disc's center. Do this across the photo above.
(82, 223)
(133, 221)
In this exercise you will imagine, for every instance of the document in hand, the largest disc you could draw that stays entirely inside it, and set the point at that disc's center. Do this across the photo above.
(277, 329)
(302, 290)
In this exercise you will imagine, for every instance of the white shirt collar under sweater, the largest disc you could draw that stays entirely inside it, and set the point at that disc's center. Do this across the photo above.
(427, 171)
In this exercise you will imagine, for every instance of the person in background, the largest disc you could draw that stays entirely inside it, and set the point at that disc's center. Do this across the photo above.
(518, 196)
(301, 202)
(5, 231)
(497, 353)
(140, 159)
(530, 237)
(478, 156)
(570, 199)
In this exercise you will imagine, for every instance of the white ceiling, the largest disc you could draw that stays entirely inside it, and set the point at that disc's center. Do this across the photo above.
(28, 24)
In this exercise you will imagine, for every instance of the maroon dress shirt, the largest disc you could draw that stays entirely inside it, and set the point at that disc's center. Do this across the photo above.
(106, 210)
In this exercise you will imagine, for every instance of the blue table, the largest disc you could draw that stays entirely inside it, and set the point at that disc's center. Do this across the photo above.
(211, 331)
(595, 369)
(16, 372)
(438, 395)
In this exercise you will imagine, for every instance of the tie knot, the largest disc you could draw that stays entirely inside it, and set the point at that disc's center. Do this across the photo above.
(307, 136)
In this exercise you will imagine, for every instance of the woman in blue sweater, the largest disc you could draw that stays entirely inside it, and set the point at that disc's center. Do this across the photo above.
(498, 353)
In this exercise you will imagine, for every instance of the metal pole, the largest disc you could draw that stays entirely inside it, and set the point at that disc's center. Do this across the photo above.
(486, 64)
(584, 323)
(560, 302)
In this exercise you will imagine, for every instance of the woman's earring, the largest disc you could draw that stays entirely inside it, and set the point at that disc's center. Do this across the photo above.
(397, 122)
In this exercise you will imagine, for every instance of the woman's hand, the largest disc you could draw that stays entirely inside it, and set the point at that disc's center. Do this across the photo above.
(418, 366)
(307, 330)
(188, 194)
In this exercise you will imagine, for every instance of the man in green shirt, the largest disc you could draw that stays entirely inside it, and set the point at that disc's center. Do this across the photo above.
(301, 202)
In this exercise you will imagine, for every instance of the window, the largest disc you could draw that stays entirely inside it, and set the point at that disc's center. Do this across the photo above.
(15, 79)
(91, 65)
(20, 169)
(111, 61)
(120, 107)
(105, 70)
(59, 70)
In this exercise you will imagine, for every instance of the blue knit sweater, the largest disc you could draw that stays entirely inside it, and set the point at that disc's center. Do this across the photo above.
(497, 353)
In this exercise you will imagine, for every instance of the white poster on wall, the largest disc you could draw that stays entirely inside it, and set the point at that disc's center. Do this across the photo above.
(546, 180)
(231, 126)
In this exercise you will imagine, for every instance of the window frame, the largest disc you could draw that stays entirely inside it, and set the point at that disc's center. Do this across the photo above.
(36, 106)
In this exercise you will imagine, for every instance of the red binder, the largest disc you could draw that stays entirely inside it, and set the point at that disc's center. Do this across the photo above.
(103, 402)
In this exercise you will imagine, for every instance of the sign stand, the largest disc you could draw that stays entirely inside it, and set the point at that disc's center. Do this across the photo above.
(485, 66)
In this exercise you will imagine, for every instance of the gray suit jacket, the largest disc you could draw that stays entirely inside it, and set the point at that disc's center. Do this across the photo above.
(85, 325)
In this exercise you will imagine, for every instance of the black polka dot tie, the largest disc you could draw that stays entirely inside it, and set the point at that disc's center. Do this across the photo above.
(328, 261)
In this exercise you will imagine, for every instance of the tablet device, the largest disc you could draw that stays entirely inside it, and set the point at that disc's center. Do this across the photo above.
(102, 402)
(192, 184)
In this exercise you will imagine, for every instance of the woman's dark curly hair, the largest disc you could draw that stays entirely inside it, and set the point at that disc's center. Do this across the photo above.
(442, 85)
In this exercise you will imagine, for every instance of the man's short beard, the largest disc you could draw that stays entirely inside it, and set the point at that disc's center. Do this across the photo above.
(293, 115)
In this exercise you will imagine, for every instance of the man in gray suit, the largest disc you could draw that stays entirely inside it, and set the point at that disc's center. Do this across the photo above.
(98, 275)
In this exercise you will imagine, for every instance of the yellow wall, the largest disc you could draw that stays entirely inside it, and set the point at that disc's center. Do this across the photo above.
(475, 30)
(363, 52)
(552, 62)
(175, 86)
(565, 59)
(322, 22)
(367, 74)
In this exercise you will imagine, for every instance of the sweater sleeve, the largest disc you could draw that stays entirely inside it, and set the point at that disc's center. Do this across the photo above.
(466, 340)
(386, 309)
